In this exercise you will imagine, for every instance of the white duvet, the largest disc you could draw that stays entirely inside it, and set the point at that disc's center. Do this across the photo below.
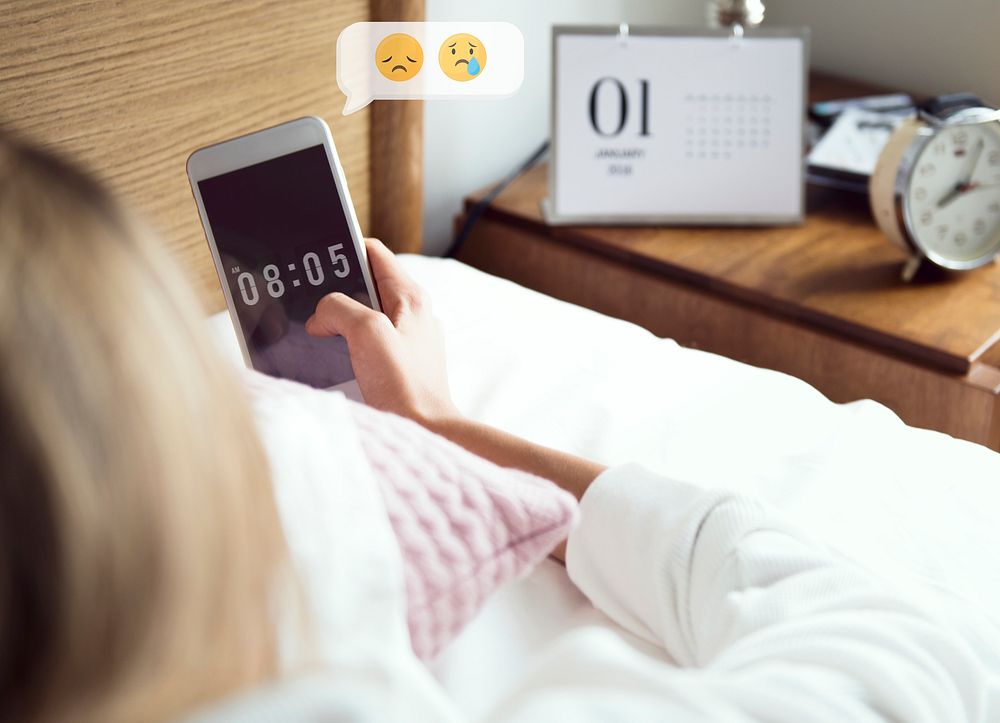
(910, 503)
(915, 507)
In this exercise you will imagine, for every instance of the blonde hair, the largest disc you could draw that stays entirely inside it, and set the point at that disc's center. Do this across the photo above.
(139, 541)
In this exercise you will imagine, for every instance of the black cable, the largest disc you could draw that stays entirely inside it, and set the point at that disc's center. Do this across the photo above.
(476, 211)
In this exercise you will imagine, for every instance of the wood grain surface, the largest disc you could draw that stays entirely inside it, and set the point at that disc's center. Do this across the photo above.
(397, 150)
(836, 271)
(130, 89)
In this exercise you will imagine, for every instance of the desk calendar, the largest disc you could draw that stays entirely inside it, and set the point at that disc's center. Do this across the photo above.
(674, 126)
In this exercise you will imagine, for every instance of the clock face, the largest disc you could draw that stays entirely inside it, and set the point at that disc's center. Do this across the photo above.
(952, 200)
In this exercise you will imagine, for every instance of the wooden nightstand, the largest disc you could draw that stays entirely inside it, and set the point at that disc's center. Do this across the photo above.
(822, 301)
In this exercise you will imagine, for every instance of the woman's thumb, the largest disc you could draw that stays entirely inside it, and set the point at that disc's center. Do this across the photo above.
(338, 314)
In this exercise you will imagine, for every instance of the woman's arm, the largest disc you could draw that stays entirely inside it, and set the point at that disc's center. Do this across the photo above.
(574, 474)
(399, 361)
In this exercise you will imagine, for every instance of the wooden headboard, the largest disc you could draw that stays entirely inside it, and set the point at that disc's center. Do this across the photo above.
(130, 89)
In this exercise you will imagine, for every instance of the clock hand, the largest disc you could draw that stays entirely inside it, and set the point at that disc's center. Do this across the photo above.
(961, 188)
(974, 158)
(951, 195)
(966, 183)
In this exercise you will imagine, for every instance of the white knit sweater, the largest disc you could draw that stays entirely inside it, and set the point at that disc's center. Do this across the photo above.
(768, 625)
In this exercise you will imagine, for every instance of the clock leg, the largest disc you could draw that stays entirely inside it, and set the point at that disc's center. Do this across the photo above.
(911, 267)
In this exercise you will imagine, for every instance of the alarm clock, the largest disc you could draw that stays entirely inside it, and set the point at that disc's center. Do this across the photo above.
(935, 191)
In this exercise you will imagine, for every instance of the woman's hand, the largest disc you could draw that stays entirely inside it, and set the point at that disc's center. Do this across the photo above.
(398, 356)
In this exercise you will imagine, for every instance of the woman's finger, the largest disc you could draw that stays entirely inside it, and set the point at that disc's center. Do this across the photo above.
(385, 265)
(339, 314)
(398, 292)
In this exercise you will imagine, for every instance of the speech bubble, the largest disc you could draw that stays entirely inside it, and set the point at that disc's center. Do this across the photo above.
(380, 61)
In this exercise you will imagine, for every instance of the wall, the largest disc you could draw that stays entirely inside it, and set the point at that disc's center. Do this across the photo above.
(927, 46)
(921, 45)
(471, 143)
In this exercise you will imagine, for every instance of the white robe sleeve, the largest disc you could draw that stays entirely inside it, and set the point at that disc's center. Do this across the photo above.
(767, 624)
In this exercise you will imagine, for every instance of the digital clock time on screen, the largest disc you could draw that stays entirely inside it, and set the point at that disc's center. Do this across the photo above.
(275, 286)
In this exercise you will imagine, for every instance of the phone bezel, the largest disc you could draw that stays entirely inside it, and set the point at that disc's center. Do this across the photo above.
(257, 147)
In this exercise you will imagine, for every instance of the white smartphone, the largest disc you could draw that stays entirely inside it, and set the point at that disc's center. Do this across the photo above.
(283, 233)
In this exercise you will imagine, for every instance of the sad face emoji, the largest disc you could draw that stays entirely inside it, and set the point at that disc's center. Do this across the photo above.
(399, 57)
(462, 57)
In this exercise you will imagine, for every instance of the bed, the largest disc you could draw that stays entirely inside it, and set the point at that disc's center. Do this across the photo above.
(917, 506)
(130, 90)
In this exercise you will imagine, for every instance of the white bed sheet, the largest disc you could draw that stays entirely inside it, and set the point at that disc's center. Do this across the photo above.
(916, 505)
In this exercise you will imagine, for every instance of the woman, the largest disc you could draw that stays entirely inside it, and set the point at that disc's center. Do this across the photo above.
(125, 448)
(145, 572)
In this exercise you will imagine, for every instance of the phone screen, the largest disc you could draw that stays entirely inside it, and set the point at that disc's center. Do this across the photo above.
(285, 242)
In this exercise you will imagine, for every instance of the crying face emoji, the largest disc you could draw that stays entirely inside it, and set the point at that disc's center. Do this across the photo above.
(399, 57)
(462, 57)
